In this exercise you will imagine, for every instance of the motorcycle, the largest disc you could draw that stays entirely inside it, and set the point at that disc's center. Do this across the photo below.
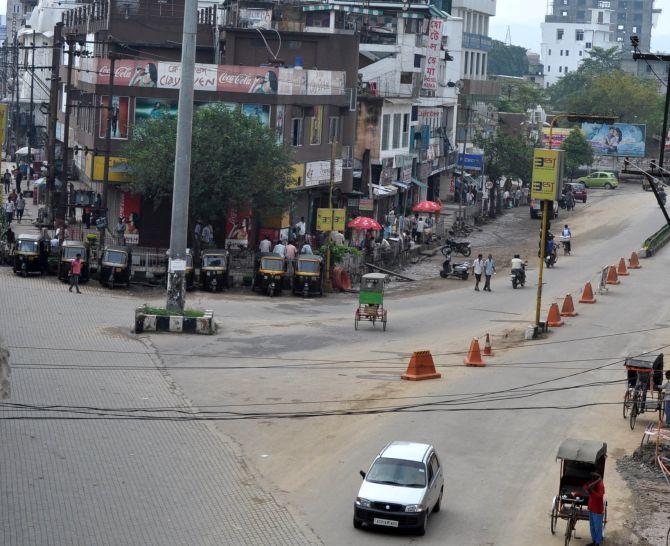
(551, 259)
(518, 277)
(567, 245)
(463, 247)
(459, 270)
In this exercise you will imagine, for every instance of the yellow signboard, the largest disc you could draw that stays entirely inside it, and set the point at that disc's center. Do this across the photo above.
(3, 123)
(547, 174)
(118, 168)
(330, 219)
(297, 176)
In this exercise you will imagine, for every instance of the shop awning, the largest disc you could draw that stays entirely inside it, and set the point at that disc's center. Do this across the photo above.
(400, 184)
(384, 191)
(348, 9)
(419, 183)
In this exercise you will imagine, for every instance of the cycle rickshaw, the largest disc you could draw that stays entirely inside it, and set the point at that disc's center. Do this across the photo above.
(371, 300)
(643, 391)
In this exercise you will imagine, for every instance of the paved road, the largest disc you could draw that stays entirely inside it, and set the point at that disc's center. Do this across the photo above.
(167, 483)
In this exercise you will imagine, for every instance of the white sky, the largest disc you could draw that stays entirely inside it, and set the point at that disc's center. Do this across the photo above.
(524, 18)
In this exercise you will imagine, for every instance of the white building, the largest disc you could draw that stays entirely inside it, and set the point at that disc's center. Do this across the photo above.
(476, 15)
(566, 45)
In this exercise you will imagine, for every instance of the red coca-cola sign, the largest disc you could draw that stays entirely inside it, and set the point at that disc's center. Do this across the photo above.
(245, 79)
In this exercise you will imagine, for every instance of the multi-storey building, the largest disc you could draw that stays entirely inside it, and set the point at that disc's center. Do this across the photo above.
(629, 17)
(566, 44)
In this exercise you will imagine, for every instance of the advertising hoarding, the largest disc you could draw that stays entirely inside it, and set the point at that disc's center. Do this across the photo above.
(547, 174)
(616, 139)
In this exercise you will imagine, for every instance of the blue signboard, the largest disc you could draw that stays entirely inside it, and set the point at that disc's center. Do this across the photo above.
(471, 162)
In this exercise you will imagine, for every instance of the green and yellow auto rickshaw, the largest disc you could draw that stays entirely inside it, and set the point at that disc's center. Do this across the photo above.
(115, 266)
(28, 255)
(214, 270)
(68, 252)
(371, 300)
(269, 274)
(308, 276)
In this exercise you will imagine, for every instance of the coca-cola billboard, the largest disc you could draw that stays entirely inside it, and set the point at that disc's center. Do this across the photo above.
(204, 77)
(247, 79)
(139, 73)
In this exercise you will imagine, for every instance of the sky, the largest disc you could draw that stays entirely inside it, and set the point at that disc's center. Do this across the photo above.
(524, 17)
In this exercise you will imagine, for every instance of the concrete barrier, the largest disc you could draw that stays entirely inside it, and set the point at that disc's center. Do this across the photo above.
(656, 241)
(175, 324)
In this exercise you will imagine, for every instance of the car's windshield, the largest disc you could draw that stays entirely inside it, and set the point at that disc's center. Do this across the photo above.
(213, 260)
(70, 252)
(397, 472)
(272, 265)
(308, 266)
(114, 257)
(27, 246)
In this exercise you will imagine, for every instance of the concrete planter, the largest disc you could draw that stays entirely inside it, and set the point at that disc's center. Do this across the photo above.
(175, 324)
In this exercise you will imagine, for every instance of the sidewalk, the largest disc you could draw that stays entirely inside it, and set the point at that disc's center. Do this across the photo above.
(116, 482)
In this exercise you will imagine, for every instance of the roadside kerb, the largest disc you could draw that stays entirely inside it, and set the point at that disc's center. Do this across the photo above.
(175, 324)
(656, 241)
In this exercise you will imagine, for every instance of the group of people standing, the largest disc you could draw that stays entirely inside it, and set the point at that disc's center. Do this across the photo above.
(484, 267)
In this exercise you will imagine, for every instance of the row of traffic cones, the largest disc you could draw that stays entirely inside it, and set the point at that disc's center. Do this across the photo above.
(421, 365)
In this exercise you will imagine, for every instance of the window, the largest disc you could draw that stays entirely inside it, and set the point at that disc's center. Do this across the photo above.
(386, 128)
(604, 4)
(580, 52)
(561, 52)
(315, 125)
(296, 132)
(619, 27)
(559, 33)
(567, 52)
(549, 52)
(601, 17)
(579, 35)
(406, 78)
(405, 130)
(333, 129)
(560, 69)
(634, 30)
(587, 45)
(548, 68)
(415, 113)
(417, 61)
(467, 59)
(565, 2)
(564, 13)
(396, 130)
(565, 70)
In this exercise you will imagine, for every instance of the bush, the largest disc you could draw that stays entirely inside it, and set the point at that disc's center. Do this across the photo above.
(338, 252)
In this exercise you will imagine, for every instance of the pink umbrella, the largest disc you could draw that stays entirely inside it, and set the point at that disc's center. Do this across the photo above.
(363, 222)
(427, 206)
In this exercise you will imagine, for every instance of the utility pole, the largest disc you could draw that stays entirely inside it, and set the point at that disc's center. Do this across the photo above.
(16, 91)
(333, 151)
(66, 136)
(31, 116)
(54, 89)
(108, 145)
(462, 162)
(176, 289)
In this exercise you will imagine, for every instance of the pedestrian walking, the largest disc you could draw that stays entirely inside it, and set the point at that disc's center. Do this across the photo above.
(666, 391)
(120, 230)
(75, 271)
(518, 196)
(489, 270)
(415, 222)
(20, 207)
(207, 235)
(19, 178)
(8, 207)
(596, 507)
(478, 267)
(7, 180)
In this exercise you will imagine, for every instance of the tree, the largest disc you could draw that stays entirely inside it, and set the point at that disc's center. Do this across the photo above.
(601, 60)
(504, 60)
(507, 156)
(519, 96)
(578, 151)
(236, 163)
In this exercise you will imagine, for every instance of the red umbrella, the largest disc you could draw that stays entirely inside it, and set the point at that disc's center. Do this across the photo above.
(427, 206)
(363, 222)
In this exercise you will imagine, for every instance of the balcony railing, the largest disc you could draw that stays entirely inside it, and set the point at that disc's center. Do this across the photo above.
(476, 41)
(86, 13)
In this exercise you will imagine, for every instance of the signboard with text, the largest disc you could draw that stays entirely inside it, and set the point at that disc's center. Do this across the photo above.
(547, 174)
(430, 71)
(330, 219)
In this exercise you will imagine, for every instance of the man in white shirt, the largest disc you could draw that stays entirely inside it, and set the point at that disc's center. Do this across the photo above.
(265, 245)
(478, 267)
(9, 210)
(300, 228)
(280, 249)
(518, 267)
(420, 226)
(337, 237)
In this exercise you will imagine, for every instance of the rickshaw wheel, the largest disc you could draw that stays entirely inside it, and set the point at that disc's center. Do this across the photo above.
(569, 528)
(626, 404)
(633, 416)
(554, 516)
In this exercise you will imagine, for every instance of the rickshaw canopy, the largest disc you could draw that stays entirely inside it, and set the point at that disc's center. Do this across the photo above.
(650, 362)
(583, 451)
(272, 263)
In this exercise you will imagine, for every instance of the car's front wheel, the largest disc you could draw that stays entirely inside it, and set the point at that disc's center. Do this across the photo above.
(438, 504)
(357, 524)
(424, 524)
(608, 186)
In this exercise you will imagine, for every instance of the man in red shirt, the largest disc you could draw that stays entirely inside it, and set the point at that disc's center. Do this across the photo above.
(596, 490)
(75, 271)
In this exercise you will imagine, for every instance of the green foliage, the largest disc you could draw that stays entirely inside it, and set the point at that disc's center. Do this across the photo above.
(338, 252)
(520, 96)
(504, 60)
(578, 151)
(236, 163)
(507, 156)
(601, 61)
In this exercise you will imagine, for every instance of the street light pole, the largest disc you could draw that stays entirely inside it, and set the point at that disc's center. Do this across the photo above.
(176, 290)
(31, 115)
(333, 151)
(108, 145)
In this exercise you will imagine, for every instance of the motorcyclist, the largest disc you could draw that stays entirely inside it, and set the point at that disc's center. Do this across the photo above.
(566, 238)
(519, 268)
(550, 250)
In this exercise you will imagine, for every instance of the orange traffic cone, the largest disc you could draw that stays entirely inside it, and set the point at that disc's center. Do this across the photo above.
(621, 270)
(488, 351)
(612, 277)
(587, 295)
(421, 366)
(568, 309)
(634, 262)
(554, 317)
(474, 357)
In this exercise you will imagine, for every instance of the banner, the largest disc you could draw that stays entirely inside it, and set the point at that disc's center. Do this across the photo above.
(430, 71)
(547, 174)
(330, 219)
(247, 79)
(318, 172)
(3, 124)
(120, 111)
(618, 139)
(557, 137)
(471, 162)
(204, 78)
(130, 212)
(238, 225)
(146, 108)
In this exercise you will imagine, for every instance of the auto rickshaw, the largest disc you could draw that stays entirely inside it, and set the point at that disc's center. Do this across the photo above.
(579, 458)
(68, 252)
(269, 274)
(28, 255)
(115, 266)
(214, 269)
(371, 300)
(308, 276)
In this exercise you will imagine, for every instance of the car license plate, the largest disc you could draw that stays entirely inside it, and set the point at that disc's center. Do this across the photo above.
(385, 522)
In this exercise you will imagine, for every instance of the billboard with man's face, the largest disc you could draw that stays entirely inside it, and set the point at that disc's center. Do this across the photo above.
(616, 139)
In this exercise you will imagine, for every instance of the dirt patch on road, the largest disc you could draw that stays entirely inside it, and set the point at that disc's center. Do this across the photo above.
(649, 521)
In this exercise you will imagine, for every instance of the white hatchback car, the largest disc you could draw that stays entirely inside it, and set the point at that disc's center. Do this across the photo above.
(403, 486)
